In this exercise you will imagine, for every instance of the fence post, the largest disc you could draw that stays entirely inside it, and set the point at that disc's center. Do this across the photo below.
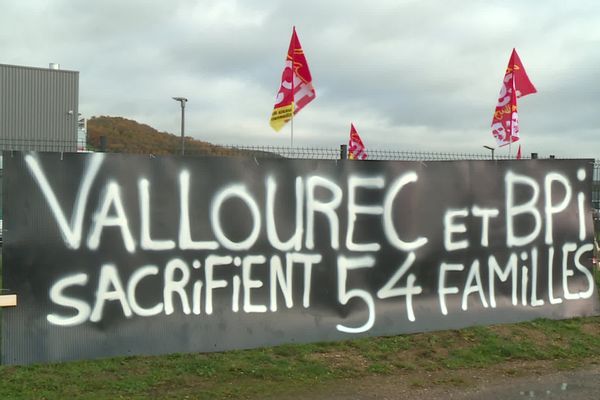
(343, 152)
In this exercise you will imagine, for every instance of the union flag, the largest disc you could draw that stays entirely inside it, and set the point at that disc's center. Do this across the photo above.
(356, 148)
(296, 89)
(516, 83)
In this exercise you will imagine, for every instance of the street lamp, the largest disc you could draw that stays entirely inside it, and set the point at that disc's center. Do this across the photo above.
(490, 148)
(182, 101)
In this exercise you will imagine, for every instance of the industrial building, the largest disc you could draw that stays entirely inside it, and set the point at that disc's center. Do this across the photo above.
(38, 108)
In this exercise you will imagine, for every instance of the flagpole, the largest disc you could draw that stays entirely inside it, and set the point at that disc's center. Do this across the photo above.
(290, 102)
(292, 126)
(512, 111)
(293, 88)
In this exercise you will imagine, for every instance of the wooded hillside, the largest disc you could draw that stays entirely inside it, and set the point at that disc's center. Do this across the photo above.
(128, 136)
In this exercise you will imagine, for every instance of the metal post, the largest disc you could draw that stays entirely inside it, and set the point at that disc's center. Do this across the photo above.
(182, 128)
(103, 143)
(343, 152)
(491, 149)
(182, 101)
(292, 126)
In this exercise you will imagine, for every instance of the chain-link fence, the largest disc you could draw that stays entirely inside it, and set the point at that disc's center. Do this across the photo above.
(324, 153)
(196, 148)
(18, 144)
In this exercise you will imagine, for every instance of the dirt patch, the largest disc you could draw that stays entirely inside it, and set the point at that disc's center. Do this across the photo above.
(345, 360)
(435, 384)
(502, 330)
(591, 329)
(523, 332)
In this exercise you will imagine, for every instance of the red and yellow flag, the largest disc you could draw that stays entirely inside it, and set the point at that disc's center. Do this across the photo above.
(356, 148)
(516, 83)
(296, 89)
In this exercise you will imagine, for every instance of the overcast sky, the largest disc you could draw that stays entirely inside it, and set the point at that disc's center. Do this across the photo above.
(411, 75)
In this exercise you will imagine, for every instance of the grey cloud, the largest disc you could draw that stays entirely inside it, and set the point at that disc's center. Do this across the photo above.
(432, 67)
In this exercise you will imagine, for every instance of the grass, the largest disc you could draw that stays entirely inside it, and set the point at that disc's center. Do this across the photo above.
(276, 371)
(268, 372)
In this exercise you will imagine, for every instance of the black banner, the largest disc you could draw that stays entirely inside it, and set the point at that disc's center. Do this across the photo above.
(119, 254)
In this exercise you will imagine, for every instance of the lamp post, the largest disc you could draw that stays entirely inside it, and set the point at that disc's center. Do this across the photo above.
(490, 148)
(182, 101)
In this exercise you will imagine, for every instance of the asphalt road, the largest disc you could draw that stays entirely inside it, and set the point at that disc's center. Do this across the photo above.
(572, 385)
